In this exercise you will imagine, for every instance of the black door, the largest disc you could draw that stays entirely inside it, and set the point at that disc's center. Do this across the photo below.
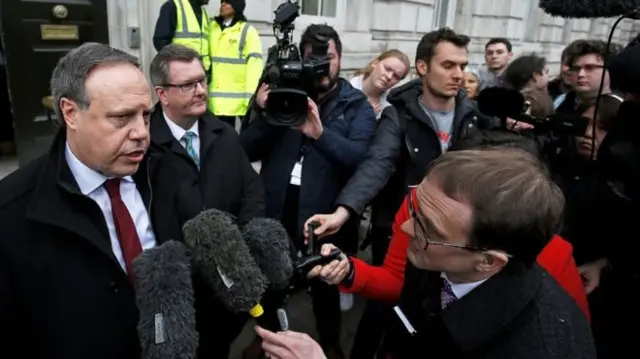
(35, 34)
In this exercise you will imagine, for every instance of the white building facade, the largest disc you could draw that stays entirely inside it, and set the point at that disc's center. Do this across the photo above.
(368, 27)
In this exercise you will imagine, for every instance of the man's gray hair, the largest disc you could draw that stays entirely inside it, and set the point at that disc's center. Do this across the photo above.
(71, 72)
(159, 70)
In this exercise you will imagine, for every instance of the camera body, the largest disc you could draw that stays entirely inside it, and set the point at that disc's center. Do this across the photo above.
(292, 78)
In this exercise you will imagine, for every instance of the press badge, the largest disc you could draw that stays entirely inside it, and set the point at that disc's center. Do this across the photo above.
(296, 173)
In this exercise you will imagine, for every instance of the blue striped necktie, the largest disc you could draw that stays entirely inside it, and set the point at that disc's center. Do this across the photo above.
(188, 140)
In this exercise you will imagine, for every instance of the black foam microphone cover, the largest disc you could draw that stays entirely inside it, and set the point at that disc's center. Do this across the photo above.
(500, 102)
(165, 299)
(269, 244)
(588, 8)
(221, 255)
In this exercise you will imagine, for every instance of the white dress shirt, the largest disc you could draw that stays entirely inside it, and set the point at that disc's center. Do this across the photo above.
(462, 289)
(91, 185)
(178, 132)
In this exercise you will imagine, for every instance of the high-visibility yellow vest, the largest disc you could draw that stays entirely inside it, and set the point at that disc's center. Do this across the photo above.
(189, 32)
(236, 67)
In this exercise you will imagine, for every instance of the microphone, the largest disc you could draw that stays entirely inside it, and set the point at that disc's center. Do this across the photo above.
(165, 299)
(313, 258)
(591, 8)
(505, 103)
(501, 102)
(269, 244)
(219, 253)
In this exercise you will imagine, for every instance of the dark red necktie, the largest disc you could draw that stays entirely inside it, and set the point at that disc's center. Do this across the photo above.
(126, 230)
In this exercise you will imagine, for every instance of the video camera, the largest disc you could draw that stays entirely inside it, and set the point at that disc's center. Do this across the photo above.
(290, 78)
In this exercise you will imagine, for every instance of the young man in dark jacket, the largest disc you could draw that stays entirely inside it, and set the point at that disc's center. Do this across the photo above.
(304, 168)
(428, 115)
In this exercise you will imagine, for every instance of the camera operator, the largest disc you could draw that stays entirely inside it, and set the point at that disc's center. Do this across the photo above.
(430, 114)
(304, 168)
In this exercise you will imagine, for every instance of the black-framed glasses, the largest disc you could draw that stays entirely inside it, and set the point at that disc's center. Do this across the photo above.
(190, 86)
(420, 230)
(587, 68)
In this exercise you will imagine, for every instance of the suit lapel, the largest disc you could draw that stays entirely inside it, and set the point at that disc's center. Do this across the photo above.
(485, 311)
(58, 202)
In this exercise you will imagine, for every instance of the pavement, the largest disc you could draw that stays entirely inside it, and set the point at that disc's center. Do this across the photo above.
(301, 319)
(7, 165)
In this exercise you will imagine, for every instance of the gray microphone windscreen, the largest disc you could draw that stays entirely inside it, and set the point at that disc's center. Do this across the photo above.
(220, 254)
(165, 299)
(590, 9)
(270, 246)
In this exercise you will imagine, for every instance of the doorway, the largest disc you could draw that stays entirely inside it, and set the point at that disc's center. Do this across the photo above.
(35, 35)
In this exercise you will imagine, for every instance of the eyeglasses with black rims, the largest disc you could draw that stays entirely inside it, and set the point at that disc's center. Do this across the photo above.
(421, 235)
(190, 86)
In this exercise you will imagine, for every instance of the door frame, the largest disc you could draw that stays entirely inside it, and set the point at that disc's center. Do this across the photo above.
(30, 138)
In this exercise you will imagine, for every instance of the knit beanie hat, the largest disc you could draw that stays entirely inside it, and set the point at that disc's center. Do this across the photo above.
(237, 5)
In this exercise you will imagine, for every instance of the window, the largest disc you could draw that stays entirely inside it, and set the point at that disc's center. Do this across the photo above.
(441, 13)
(324, 8)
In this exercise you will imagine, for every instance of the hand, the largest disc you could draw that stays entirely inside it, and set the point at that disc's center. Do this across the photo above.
(312, 127)
(518, 126)
(289, 345)
(329, 223)
(333, 273)
(262, 95)
(591, 273)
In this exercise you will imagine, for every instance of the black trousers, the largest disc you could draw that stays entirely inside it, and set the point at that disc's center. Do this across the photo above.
(367, 342)
(231, 120)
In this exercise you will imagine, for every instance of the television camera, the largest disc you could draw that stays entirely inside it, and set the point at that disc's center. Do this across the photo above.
(290, 77)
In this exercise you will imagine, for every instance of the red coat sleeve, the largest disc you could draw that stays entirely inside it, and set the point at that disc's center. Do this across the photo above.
(384, 283)
(557, 259)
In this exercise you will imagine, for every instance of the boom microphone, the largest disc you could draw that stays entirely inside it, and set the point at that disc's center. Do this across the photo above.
(269, 244)
(591, 8)
(218, 251)
(165, 299)
(505, 103)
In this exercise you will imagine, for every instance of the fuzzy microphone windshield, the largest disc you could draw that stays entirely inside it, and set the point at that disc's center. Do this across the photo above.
(220, 254)
(167, 324)
(589, 8)
(270, 246)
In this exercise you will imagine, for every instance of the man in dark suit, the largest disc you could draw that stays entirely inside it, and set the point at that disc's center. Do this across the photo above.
(211, 167)
(212, 163)
(72, 221)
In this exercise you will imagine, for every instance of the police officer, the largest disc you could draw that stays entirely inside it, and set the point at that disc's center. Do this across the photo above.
(184, 22)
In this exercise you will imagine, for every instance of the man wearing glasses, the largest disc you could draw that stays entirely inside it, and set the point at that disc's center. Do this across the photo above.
(472, 287)
(586, 63)
(212, 170)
